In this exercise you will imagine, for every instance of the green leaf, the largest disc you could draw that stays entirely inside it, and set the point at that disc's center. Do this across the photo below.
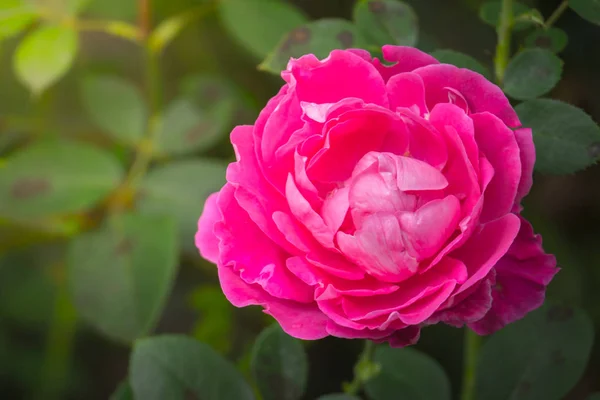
(540, 357)
(460, 60)
(15, 16)
(553, 39)
(338, 396)
(532, 73)
(167, 30)
(44, 56)
(179, 189)
(185, 128)
(52, 178)
(566, 138)
(174, 366)
(387, 22)
(407, 374)
(279, 365)
(594, 396)
(121, 274)
(319, 38)
(490, 14)
(116, 106)
(123, 392)
(242, 19)
(214, 325)
(587, 9)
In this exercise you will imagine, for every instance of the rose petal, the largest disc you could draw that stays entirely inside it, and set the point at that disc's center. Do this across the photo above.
(206, 241)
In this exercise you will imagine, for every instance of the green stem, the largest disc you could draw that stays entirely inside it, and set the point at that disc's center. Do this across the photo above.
(556, 14)
(364, 369)
(59, 346)
(504, 36)
(472, 343)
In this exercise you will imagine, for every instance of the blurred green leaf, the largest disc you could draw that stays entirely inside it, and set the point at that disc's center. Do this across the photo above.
(338, 396)
(460, 60)
(319, 38)
(259, 24)
(174, 366)
(121, 274)
(216, 318)
(540, 357)
(49, 178)
(179, 189)
(387, 22)
(532, 73)
(566, 138)
(113, 9)
(186, 128)
(279, 365)
(553, 39)
(587, 9)
(15, 16)
(116, 106)
(594, 396)
(167, 30)
(490, 14)
(123, 392)
(407, 373)
(44, 56)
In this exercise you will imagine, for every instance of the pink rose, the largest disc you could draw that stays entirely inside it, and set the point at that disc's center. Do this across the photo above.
(370, 200)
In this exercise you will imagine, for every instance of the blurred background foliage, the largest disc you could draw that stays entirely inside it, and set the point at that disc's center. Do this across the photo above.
(78, 284)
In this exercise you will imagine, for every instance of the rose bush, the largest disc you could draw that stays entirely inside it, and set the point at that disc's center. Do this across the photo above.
(371, 199)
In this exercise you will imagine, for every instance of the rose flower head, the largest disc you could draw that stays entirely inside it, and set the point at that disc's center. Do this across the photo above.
(370, 200)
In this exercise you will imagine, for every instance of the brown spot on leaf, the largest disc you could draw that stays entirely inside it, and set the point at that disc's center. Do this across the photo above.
(594, 150)
(124, 247)
(197, 132)
(558, 358)
(543, 41)
(297, 36)
(560, 313)
(189, 395)
(377, 7)
(523, 388)
(211, 92)
(346, 38)
(30, 187)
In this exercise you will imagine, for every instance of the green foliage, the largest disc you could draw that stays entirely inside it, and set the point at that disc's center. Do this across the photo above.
(279, 365)
(123, 392)
(553, 39)
(214, 325)
(179, 190)
(594, 396)
(387, 22)
(532, 73)
(15, 16)
(407, 373)
(319, 38)
(338, 396)
(490, 13)
(115, 106)
(259, 24)
(171, 367)
(587, 9)
(44, 56)
(460, 60)
(57, 177)
(540, 357)
(121, 274)
(566, 138)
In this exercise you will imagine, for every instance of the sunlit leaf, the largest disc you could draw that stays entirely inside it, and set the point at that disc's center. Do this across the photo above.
(532, 73)
(15, 16)
(553, 39)
(44, 56)
(319, 38)
(407, 374)
(49, 178)
(460, 60)
(540, 357)
(387, 22)
(116, 106)
(121, 274)
(279, 365)
(259, 24)
(179, 189)
(566, 138)
(173, 367)
(587, 9)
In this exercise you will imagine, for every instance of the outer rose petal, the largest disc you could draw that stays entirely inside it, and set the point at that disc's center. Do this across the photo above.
(206, 241)
(521, 279)
(525, 141)
(406, 59)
